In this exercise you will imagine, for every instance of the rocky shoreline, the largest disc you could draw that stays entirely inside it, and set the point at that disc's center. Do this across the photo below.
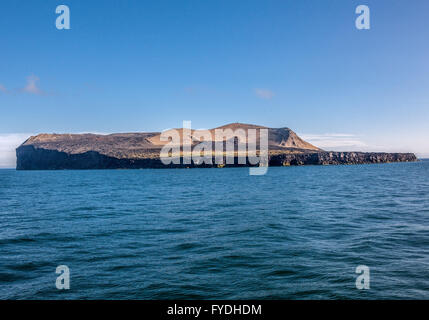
(30, 157)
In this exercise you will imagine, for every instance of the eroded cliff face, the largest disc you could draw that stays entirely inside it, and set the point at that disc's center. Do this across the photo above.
(32, 158)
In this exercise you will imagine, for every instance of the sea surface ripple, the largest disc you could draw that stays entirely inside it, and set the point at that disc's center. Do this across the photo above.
(295, 233)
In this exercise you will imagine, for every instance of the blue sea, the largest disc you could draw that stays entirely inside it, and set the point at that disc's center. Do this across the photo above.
(295, 233)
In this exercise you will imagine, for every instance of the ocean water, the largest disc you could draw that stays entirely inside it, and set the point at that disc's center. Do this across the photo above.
(296, 233)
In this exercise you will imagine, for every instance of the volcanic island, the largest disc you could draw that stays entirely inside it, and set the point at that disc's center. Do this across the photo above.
(143, 150)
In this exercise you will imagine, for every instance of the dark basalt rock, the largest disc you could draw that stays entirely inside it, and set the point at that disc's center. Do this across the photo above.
(329, 158)
(30, 157)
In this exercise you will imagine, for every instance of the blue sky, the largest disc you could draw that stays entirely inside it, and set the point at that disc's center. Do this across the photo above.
(148, 65)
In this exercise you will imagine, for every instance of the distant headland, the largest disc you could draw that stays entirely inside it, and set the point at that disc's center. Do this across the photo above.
(142, 150)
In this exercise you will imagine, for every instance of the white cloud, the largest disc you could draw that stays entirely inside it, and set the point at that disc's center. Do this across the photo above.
(32, 85)
(190, 89)
(350, 142)
(264, 93)
(336, 141)
(8, 144)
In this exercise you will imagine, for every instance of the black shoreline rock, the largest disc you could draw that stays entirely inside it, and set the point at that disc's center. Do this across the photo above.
(32, 158)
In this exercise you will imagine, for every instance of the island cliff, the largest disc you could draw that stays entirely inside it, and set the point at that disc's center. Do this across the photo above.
(142, 150)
